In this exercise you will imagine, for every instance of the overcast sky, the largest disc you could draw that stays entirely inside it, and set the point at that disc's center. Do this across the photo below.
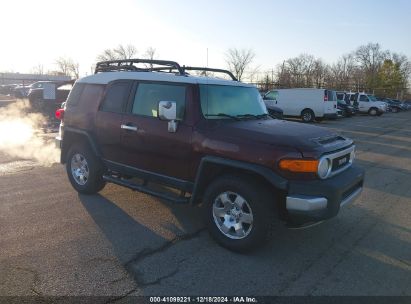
(38, 32)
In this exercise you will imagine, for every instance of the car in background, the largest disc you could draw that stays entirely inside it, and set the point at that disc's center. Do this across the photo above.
(7, 89)
(344, 105)
(407, 103)
(394, 105)
(275, 112)
(21, 91)
(306, 103)
(368, 103)
(45, 104)
(346, 109)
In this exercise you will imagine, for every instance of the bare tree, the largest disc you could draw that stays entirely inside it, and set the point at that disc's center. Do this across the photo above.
(151, 55)
(125, 52)
(120, 52)
(108, 54)
(63, 66)
(239, 60)
(341, 73)
(38, 69)
(74, 69)
(253, 73)
(67, 66)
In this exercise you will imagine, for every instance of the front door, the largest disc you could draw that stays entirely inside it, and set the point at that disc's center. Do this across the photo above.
(146, 142)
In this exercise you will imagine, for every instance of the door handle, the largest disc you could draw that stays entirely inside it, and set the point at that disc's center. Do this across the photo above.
(129, 128)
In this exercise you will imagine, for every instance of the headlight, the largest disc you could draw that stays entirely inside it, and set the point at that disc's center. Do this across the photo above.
(324, 167)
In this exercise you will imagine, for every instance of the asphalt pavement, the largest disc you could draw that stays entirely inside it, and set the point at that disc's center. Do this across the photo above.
(55, 242)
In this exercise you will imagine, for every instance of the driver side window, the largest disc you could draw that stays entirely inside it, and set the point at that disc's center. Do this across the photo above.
(272, 95)
(148, 96)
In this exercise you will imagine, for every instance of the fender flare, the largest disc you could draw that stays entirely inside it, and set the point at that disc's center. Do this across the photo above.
(85, 134)
(269, 175)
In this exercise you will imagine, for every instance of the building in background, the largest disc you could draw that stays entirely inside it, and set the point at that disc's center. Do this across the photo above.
(26, 79)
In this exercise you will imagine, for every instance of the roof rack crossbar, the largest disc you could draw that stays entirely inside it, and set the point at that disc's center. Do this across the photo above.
(187, 68)
(128, 65)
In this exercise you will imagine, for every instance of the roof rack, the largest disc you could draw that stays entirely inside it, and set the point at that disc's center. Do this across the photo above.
(210, 70)
(164, 66)
(129, 65)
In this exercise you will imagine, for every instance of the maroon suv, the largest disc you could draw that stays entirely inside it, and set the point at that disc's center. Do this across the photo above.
(156, 129)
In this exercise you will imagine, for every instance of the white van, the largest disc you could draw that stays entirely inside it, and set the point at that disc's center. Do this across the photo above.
(309, 104)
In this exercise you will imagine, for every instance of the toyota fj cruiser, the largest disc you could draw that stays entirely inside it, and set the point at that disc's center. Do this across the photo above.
(202, 140)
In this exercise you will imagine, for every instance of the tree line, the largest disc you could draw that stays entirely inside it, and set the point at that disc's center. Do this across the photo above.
(368, 68)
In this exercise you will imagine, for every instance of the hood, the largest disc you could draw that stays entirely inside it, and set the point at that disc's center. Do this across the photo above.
(307, 139)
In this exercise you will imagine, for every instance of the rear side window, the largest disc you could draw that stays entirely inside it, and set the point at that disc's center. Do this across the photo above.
(74, 96)
(116, 97)
(149, 94)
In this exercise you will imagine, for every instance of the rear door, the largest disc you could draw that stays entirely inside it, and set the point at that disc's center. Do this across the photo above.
(109, 118)
(146, 142)
(330, 102)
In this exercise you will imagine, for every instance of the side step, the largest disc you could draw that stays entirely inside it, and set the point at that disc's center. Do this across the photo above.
(143, 188)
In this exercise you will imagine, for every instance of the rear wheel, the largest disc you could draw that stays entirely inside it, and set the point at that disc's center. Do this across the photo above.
(307, 115)
(84, 170)
(373, 111)
(237, 213)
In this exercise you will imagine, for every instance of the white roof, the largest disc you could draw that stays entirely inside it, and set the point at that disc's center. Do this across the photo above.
(106, 77)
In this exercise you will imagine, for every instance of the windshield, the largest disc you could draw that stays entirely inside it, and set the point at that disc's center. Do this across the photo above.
(221, 102)
(372, 98)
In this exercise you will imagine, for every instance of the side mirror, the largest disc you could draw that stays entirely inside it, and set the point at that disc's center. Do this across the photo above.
(167, 110)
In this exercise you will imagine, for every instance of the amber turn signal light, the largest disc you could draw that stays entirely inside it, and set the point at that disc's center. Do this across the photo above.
(299, 165)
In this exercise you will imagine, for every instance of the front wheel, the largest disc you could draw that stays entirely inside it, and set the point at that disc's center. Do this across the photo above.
(237, 213)
(84, 170)
(307, 116)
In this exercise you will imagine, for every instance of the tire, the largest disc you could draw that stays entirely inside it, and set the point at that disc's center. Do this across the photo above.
(394, 110)
(84, 170)
(223, 215)
(307, 115)
(373, 111)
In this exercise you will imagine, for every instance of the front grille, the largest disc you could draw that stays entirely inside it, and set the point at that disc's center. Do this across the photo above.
(340, 162)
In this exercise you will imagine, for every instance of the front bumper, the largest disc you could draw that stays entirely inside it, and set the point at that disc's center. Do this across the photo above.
(313, 201)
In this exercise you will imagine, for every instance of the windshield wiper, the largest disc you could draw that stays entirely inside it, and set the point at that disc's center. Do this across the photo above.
(223, 115)
(258, 116)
